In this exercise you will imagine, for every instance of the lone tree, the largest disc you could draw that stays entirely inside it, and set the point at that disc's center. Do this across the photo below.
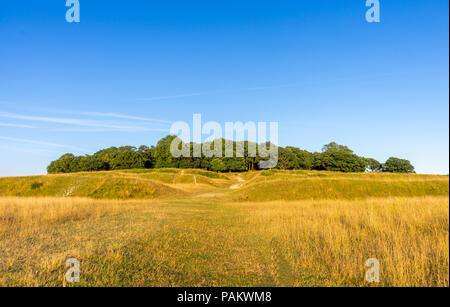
(396, 165)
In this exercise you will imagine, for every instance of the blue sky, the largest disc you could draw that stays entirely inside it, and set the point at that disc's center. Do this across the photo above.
(130, 68)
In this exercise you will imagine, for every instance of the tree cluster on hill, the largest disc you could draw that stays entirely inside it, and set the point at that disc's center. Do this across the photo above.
(334, 157)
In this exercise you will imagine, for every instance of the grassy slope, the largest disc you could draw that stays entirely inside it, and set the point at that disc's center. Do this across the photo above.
(301, 185)
(300, 189)
(255, 186)
(102, 185)
(199, 235)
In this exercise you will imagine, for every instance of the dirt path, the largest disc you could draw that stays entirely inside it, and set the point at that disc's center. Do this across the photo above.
(238, 185)
(221, 193)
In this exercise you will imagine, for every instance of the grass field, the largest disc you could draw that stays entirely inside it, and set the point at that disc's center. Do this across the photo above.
(196, 228)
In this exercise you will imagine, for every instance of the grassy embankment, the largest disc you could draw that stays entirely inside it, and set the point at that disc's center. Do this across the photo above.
(195, 228)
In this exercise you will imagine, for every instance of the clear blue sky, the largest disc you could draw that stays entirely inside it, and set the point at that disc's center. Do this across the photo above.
(130, 68)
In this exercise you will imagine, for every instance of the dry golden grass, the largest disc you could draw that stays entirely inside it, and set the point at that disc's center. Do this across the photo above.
(194, 242)
(307, 185)
(20, 213)
(39, 234)
(318, 229)
(328, 242)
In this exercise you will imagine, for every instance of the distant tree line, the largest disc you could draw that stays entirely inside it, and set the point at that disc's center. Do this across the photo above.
(334, 157)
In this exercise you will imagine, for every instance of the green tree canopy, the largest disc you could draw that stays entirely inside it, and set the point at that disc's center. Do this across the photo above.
(396, 165)
(218, 165)
(339, 161)
(334, 157)
(303, 158)
(62, 165)
(162, 155)
(333, 146)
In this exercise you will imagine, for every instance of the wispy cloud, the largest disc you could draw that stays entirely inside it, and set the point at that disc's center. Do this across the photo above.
(123, 116)
(57, 120)
(34, 142)
(131, 129)
(16, 126)
(102, 125)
